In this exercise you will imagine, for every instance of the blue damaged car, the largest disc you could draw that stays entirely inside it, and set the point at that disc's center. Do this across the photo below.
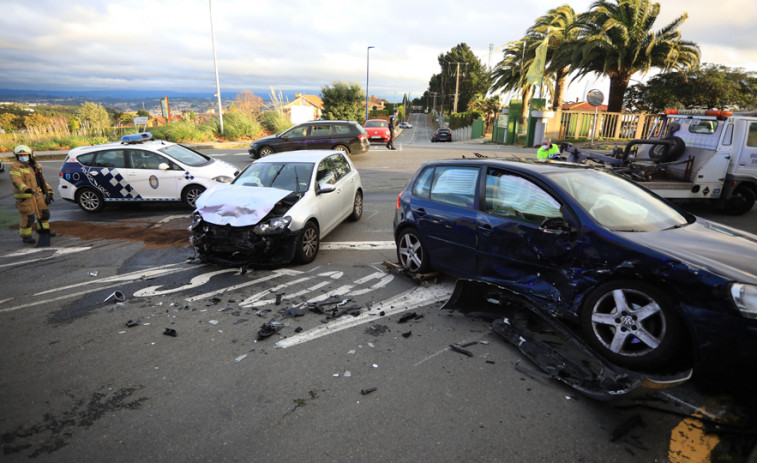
(650, 285)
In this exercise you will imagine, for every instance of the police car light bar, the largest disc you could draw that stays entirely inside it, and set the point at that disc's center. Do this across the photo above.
(136, 137)
(722, 115)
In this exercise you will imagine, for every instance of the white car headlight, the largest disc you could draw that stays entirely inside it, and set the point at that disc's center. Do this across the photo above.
(272, 226)
(745, 297)
(223, 179)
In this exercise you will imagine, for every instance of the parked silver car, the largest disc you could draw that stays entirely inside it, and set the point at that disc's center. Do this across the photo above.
(278, 209)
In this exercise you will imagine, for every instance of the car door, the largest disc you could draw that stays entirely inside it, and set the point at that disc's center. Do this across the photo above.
(107, 172)
(444, 202)
(320, 137)
(149, 180)
(512, 248)
(346, 184)
(330, 203)
(294, 138)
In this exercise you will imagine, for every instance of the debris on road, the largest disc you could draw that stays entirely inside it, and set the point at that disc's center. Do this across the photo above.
(269, 329)
(367, 391)
(132, 323)
(461, 350)
(117, 296)
(170, 332)
(410, 316)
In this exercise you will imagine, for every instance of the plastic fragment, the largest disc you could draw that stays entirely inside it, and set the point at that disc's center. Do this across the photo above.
(407, 317)
(347, 374)
(278, 298)
(367, 391)
(213, 322)
(117, 295)
(93, 274)
(132, 323)
(240, 358)
(170, 332)
(467, 344)
(407, 335)
(461, 350)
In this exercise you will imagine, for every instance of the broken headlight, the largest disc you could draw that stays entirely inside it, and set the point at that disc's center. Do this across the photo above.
(745, 297)
(223, 179)
(272, 226)
(196, 219)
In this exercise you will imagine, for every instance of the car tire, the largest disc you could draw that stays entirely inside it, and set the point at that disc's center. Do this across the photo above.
(342, 148)
(357, 207)
(411, 254)
(740, 202)
(308, 243)
(265, 151)
(668, 153)
(632, 324)
(191, 193)
(90, 199)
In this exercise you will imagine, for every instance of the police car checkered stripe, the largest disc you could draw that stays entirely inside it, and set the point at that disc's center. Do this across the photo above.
(119, 184)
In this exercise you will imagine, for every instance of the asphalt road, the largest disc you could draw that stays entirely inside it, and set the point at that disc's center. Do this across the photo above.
(79, 385)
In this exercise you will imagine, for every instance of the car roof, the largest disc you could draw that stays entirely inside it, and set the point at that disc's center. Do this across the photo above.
(150, 145)
(328, 122)
(523, 165)
(298, 156)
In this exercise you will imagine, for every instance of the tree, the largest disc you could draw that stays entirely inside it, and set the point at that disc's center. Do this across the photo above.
(36, 122)
(143, 113)
(93, 116)
(509, 74)
(343, 101)
(560, 29)
(474, 78)
(248, 102)
(617, 41)
(9, 122)
(709, 86)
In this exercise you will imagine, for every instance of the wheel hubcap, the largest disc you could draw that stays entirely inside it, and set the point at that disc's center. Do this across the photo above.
(309, 242)
(411, 253)
(628, 322)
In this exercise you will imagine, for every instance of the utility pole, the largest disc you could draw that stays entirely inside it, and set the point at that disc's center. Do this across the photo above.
(457, 86)
(215, 65)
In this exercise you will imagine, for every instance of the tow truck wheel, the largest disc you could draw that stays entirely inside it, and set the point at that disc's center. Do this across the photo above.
(90, 199)
(308, 243)
(740, 202)
(632, 324)
(190, 194)
(411, 253)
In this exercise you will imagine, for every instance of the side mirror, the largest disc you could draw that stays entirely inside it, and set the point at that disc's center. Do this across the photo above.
(163, 166)
(328, 188)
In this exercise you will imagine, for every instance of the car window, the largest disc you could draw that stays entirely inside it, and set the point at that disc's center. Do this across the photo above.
(320, 130)
(618, 204)
(422, 186)
(376, 124)
(292, 176)
(455, 185)
(86, 159)
(296, 132)
(185, 155)
(342, 130)
(325, 174)
(752, 137)
(341, 166)
(146, 159)
(110, 158)
(509, 195)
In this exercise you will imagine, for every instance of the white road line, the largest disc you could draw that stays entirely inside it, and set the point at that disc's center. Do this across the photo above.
(199, 280)
(126, 277)
(254, 300)
(357, 245)
(58, 252)
(271, 276)
(416, 297)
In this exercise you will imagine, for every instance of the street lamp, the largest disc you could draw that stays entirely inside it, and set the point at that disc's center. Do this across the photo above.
(215, 65)
(367, 70)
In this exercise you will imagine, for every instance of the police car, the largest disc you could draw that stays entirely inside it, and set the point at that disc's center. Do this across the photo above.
(138, 169)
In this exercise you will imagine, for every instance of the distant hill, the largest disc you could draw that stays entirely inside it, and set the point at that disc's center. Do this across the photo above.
(115, 94)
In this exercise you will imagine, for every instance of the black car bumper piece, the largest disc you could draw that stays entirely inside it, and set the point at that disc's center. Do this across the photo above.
(241, 246)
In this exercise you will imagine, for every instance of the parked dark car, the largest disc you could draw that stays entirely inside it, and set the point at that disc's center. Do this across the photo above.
(347, 136)
(442, 135)
(650, 285)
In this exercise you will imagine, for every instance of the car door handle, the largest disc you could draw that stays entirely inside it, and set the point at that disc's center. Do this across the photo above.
(421, 212)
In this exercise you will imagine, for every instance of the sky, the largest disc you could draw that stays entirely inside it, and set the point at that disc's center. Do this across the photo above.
(300, 45)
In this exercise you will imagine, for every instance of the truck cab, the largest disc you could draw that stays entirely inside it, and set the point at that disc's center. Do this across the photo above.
(698, 154)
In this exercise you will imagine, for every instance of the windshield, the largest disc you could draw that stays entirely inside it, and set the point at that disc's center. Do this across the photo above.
(284, 175)
(185, 155)
(618, 204)
(376, 124)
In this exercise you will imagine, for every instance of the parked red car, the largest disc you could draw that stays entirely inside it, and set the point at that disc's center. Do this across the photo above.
(378, 130)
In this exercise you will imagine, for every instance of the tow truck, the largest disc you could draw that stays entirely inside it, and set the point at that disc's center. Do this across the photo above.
(702, 155)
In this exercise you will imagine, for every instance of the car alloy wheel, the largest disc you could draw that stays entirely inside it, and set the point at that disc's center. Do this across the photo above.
(357, 207)
(632, 324)
(266, 151)
(90, 200)
(411, 254)
(191, 194)
(308, 243)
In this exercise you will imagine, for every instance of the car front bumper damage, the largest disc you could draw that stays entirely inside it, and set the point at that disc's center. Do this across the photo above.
(241, 246)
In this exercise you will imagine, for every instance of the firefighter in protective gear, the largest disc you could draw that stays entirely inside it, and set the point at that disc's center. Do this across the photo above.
(32, 193)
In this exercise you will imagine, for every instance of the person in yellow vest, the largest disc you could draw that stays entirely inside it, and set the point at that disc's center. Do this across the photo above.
(547, 149)
(32, 193)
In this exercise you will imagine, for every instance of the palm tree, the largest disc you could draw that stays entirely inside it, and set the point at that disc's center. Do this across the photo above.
(510, 73)
(559, 24)
(617, 41)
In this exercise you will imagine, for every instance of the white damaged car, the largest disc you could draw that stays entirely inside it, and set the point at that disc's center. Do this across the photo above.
(277, 210)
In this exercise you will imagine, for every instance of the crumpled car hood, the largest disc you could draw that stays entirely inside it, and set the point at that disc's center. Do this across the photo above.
(730, 253)
(238, 206)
